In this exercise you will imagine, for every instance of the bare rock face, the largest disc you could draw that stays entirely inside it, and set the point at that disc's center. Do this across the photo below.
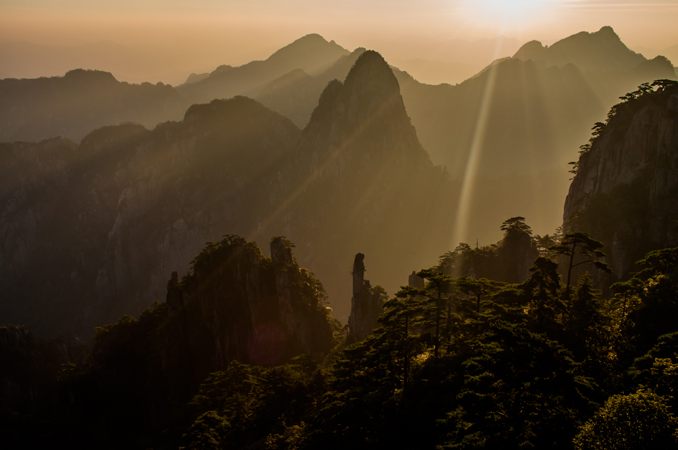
(366, 304)
(625, 192)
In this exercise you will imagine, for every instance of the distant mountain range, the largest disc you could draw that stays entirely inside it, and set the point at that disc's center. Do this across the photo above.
(128, 63)
(79, 102)
(352, 168)
(311, 54)
(516, 124)
(92, 231)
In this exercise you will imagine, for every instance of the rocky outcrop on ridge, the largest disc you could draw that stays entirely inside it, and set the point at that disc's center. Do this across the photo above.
(366, 304)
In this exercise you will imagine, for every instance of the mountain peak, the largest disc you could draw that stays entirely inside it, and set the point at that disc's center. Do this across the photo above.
(607, 31)
(371, 76)
(602, 50)
(311, 53)
(312, 37)
(368, 107)
(90, 76)
(531, 50)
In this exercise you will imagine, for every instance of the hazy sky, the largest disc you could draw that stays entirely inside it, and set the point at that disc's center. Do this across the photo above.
(202, 32)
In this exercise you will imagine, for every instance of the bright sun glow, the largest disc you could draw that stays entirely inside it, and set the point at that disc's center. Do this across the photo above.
(509, 12)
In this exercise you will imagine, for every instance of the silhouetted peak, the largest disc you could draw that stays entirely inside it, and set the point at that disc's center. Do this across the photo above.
(222, 69)
(600, 50)
(370, 90)
(371, 73)
(218, 109)
(367, 106)
(111, 135)
(195, 77)
(311, 38)
(89, 76)
(371, 57)
(530, 50)
(607, 32)
(658, 67)
(311, 43)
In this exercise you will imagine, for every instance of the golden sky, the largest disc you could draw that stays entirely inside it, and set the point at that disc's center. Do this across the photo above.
(202, 32)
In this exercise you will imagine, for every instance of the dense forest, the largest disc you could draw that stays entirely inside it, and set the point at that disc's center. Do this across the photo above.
(462, 362)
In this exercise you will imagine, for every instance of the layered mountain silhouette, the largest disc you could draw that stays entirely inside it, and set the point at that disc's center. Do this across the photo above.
(295, 94)
(311, 54)
(608, 65)
(512, 128)
(519, 121)
(102, 224)
(356, 179)
(82, 100)
(602, 50)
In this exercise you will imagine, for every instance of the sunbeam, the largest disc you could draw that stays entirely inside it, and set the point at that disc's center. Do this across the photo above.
(462, 220)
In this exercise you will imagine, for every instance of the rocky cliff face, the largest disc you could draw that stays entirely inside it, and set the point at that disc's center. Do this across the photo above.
(366, 304)
(625, 189)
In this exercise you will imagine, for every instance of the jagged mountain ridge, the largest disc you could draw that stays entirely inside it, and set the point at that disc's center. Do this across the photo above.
(147, 201)
(83, 100)
(608, 65)
(602, 50)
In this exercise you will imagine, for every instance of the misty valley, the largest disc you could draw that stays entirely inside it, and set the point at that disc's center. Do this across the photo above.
(319, 251)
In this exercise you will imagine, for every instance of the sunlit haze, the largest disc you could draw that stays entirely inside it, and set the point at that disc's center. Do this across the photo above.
(174, 38)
